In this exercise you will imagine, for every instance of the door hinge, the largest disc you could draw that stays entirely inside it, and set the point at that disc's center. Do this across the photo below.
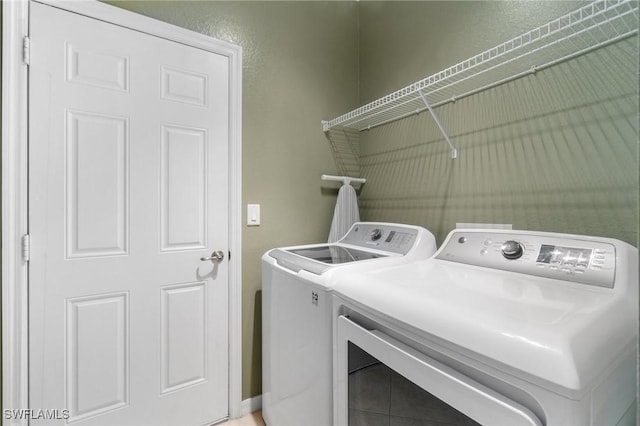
(26, 248)
(229, 257)
(26, 50)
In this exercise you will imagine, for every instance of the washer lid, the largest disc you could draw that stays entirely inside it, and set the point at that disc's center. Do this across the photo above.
(335, 254)
(318, 259)
(555, 332)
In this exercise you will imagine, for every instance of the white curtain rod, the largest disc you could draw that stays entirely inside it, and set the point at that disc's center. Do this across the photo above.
(344, 179)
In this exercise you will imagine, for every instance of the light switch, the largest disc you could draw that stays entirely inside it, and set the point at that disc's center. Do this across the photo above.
(253, 214)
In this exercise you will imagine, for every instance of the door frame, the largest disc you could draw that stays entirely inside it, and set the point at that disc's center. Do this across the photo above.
(15, 213)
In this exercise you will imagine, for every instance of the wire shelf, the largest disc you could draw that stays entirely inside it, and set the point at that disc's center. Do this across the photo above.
(586, 29)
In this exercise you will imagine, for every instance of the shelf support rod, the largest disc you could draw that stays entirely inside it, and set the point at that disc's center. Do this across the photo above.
(454, 151)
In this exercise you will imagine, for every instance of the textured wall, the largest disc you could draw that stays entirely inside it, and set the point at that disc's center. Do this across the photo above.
(557, 151)
(299, 66)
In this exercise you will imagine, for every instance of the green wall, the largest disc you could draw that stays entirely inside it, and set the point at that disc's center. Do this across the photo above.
(555, 151)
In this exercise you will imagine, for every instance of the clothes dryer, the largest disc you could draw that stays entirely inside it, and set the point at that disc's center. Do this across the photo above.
(499, 327)
(296, 314)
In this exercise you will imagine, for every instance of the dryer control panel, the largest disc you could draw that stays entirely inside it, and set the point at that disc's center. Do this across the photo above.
(569, 258)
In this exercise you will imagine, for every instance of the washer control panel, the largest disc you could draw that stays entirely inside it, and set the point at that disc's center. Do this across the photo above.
(568, 258)
(381, 236)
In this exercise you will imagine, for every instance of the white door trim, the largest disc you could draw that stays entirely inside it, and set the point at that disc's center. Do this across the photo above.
(15, 27)
(14, 207)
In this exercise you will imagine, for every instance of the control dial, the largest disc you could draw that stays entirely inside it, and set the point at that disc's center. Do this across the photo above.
(512, 250)
(375, 234)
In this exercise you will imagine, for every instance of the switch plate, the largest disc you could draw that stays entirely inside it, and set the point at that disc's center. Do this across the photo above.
(253, 214)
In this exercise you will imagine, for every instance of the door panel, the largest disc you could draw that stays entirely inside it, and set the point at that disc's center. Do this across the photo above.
(97, 357)
(97, 157)
(128, 190)
(183, 355)
(184, 188)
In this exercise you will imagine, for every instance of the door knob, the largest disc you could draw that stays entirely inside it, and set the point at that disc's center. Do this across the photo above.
(216, 256)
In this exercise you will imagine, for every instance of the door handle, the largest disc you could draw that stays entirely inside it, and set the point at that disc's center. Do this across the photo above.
(216, 256)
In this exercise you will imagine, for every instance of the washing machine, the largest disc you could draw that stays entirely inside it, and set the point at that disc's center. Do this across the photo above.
(498, 327)
(297, 316)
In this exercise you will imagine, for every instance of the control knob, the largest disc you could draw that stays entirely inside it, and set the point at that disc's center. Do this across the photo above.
(512, 250)
(375, 234)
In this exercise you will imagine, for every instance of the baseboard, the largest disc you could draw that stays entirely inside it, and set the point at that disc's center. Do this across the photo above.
(250, 405)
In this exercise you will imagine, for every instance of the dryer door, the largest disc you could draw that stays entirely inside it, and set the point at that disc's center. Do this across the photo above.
(378, 376)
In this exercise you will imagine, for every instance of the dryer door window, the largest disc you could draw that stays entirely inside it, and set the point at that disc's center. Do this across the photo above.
(409, 387)
(379, 395)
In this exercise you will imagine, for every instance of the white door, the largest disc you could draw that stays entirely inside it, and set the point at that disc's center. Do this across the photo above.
(128, 187)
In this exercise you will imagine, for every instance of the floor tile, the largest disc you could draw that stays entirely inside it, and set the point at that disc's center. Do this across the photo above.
(253, 419)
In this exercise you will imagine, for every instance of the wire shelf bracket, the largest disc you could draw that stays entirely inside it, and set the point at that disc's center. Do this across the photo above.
(588, 28)
(454, 151)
